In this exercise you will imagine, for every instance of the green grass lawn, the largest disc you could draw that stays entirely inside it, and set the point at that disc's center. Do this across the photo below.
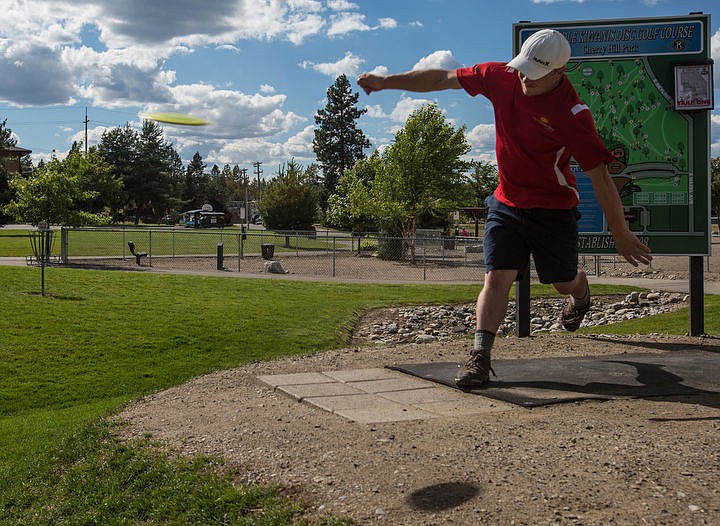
(112, 242)
(102, 338)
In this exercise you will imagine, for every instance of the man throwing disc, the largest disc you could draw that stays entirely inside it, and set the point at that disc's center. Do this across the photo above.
(540, 124)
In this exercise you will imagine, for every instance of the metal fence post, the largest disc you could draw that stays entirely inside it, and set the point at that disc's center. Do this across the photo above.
(150, 247)
(333, 257)
(424, 247)
(64, 244)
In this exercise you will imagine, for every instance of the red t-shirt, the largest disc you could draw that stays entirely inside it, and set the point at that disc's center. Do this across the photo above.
(536, 137)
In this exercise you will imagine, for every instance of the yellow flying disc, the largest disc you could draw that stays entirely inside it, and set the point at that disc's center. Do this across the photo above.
(181, 119)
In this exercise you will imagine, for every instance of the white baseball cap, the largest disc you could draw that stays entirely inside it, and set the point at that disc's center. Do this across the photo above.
(541, 53)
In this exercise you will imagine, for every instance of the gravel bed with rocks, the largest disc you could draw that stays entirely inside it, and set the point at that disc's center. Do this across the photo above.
(439, 323)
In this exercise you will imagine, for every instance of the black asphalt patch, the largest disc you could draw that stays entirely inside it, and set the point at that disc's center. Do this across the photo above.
(536, 382)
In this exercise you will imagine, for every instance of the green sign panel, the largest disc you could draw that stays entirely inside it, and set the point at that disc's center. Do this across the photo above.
(648, 83)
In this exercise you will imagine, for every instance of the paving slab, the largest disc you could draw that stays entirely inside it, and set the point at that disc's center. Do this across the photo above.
(276, 380)
(303, 391)
(392, 384)
(362, 375)
(385, 413)
(376, 395)
(333, 404)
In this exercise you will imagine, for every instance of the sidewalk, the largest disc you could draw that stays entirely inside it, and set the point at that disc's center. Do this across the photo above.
(679, 285)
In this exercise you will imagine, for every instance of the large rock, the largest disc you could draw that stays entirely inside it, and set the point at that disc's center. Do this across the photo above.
(274, 267)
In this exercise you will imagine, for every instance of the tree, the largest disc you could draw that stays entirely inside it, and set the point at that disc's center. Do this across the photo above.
(118, 148)
(102, 189)
(57, 192)
(151, 185)
(483, 181)
(338, 142)
(423, 172)
(6, 193)
(147, 165)
(352, 205)
(290, 200)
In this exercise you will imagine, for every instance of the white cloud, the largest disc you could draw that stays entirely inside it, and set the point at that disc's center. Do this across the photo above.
(715, 54)
(715, 135)
(405, 106)
(349, 66)
(341, 5)
(233, 114)
(116, 54)
(246, 151)
(388, 23)
(482, 139)
(376, 112)
(441, 59)
(347, 22)
(228, 47)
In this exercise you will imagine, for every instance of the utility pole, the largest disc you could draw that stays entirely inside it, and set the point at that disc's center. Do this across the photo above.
(86, 123)
(258, 171)
(243, 172)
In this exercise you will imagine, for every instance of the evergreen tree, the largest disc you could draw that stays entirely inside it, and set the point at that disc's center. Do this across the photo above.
(338, 142)
(290, 200)
(119, 149)
(148, 166)
(195, 191)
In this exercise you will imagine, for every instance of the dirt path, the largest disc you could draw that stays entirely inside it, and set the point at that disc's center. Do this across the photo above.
(651, 461)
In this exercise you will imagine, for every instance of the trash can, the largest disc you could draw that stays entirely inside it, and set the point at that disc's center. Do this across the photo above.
(268, 250)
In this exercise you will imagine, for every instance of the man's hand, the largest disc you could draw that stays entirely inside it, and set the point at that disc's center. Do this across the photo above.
(631, 248)
(369, 82)
(626, 243)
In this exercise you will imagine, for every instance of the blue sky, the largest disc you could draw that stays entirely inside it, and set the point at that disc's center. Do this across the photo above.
(259, 69)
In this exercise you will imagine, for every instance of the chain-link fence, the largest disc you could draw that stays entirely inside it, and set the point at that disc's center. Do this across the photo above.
(321, 254)
(315, 254)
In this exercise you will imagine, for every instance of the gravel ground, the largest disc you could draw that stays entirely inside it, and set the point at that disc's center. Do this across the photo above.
(619, 462)
(642, 461)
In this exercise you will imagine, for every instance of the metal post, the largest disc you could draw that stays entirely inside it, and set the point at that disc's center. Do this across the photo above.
(219, 256)
(43, 234)
(333, 257)
(522, 304)
(697, 297)
(64, 245)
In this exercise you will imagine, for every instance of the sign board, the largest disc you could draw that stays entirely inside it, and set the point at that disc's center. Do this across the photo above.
(648, 84)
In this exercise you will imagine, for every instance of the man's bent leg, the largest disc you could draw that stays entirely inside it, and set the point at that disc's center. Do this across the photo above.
(578, 303)
(490, 311)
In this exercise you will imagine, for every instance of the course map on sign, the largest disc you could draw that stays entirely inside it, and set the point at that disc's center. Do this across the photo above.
(635, 118)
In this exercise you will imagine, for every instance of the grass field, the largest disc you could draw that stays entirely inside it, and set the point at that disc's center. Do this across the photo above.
(103, 338)
(112, 242)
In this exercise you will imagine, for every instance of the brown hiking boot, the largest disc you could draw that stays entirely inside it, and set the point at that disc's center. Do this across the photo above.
(476, 372)
(572, 316)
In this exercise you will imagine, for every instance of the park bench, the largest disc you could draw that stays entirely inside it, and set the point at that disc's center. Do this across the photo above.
(138, 255)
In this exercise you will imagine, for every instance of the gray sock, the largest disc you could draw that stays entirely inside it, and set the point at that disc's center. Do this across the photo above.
(484, 340)
(581, 302)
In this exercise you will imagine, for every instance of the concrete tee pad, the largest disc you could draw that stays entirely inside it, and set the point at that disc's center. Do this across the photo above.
(379, 395)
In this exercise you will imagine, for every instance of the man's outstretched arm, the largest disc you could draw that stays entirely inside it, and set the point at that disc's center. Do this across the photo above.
(420, 81)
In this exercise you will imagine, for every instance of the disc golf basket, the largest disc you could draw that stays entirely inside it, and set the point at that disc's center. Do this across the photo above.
(41, 240)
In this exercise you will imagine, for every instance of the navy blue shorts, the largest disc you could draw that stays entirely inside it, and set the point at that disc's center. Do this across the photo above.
(551, 236)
